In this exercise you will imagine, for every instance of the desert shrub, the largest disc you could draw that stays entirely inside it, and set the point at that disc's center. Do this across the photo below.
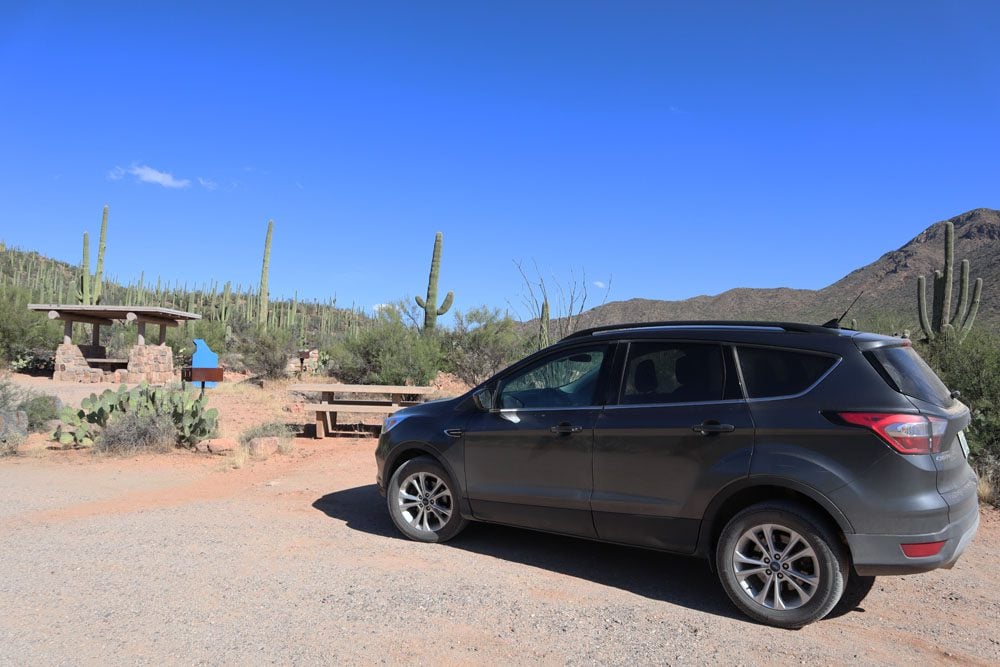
(973, 368)
(10, 440)
(483, 342)
(283, 432)
(132, 433)
(38, 408)
(266, 353)
(23, 332)
(386, 352)
(192, 420)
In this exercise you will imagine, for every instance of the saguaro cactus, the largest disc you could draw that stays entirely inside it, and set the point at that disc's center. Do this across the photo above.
(941, 321)
(91, 287)
(264, 296)
(430, 307)
(543, 325)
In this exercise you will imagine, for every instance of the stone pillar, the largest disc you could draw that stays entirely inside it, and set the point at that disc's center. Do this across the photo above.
(68, 332)
(96, 335)
(163, 334)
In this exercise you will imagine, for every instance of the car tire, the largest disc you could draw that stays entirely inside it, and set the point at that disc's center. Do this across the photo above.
(855, 591)
(423, 501)
(781, 564)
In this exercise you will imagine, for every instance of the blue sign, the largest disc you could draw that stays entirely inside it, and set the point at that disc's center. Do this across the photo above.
(203, 357)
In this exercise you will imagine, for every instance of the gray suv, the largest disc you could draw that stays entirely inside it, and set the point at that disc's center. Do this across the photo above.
(800, 460)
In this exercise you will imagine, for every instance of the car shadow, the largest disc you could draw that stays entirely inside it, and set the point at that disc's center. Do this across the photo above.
(687, 582)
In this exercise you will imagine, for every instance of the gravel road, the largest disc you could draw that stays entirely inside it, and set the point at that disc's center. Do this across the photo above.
(177, 559)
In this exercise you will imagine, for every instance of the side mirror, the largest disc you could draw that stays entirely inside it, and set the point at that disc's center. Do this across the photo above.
(483, 399)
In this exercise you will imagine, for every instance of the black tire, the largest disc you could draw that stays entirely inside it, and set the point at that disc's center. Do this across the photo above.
(856, 590)
(423, 501)
(801, 585)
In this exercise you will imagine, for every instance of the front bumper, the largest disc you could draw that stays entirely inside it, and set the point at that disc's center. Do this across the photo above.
(882, 555)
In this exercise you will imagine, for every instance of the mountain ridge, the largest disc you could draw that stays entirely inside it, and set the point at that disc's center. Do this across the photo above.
(889, 284)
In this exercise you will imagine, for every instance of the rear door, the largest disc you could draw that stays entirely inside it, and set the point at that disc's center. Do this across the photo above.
(679, 431)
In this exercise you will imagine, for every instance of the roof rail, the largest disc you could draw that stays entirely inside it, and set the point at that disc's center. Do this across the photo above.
(722, 324)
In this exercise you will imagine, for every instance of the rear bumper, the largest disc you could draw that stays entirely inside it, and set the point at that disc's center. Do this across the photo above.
(882, 555)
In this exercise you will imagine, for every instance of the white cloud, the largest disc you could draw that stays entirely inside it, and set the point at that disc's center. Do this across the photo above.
(147, 174)
(116, 174)
(207, 183)
(600, 284)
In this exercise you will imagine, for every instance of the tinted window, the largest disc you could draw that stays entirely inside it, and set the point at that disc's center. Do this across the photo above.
(663, 372)
(769, 373)
(908, 374)
(568, 379)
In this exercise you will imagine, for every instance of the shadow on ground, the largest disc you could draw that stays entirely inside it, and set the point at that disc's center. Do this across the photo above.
(687, 582)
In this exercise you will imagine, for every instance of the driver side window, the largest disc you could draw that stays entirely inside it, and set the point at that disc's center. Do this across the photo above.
(566, 380)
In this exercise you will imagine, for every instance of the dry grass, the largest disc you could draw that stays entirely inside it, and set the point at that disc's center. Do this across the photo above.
(239, 457)
(988, 469)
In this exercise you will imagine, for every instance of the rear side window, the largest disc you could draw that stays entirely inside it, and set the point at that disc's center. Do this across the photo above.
(769, 373)
(667, 372)
(908, 374)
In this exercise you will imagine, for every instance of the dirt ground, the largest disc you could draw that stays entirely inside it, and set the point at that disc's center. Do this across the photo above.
(182, 558)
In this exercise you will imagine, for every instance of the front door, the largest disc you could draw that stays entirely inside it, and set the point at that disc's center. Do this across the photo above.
(530, 461)
(679, 431)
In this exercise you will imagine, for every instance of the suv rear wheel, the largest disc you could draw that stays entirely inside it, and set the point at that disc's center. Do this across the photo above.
(781, 565)
(423, 502)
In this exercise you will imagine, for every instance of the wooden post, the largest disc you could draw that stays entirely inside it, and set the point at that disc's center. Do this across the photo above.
(68, 332)
(142, 333)
(97, 334)
(163, 339)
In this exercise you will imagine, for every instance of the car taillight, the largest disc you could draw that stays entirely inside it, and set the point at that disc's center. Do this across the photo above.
(907, 434)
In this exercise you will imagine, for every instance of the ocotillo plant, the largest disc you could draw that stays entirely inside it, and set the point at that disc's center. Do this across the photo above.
(429, 306)
(941, 322)
(262, 310)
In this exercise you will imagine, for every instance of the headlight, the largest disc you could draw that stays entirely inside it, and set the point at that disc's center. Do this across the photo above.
(391, 422)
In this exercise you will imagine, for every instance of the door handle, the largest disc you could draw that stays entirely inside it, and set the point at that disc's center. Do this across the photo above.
(712, 427)
(565, 429)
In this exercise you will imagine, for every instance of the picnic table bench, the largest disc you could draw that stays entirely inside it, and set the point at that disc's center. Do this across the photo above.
(338, 398)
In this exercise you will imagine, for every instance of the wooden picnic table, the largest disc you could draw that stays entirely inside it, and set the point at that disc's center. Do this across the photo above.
(337, 398)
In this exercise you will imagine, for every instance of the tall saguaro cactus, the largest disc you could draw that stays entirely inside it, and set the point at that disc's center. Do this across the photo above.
(264, 296)
(91, 287)
(941, 322)
(429, 305)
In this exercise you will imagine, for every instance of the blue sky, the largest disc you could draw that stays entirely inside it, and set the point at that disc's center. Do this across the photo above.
(676, 148)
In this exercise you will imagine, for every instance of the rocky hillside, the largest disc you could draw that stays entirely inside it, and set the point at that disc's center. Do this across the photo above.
(889, 284)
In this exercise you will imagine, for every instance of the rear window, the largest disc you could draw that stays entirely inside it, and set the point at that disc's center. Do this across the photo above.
(770, 373)
(908, 374)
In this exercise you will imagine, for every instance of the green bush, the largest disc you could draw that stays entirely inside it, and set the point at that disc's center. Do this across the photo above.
(24, 333)
(132, 433)
(41, 409)
(973, 368)
(387, 352)
(483, 342)
(266, 353)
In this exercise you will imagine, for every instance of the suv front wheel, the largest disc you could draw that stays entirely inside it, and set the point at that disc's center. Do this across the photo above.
(781, 565)
(423, 501)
